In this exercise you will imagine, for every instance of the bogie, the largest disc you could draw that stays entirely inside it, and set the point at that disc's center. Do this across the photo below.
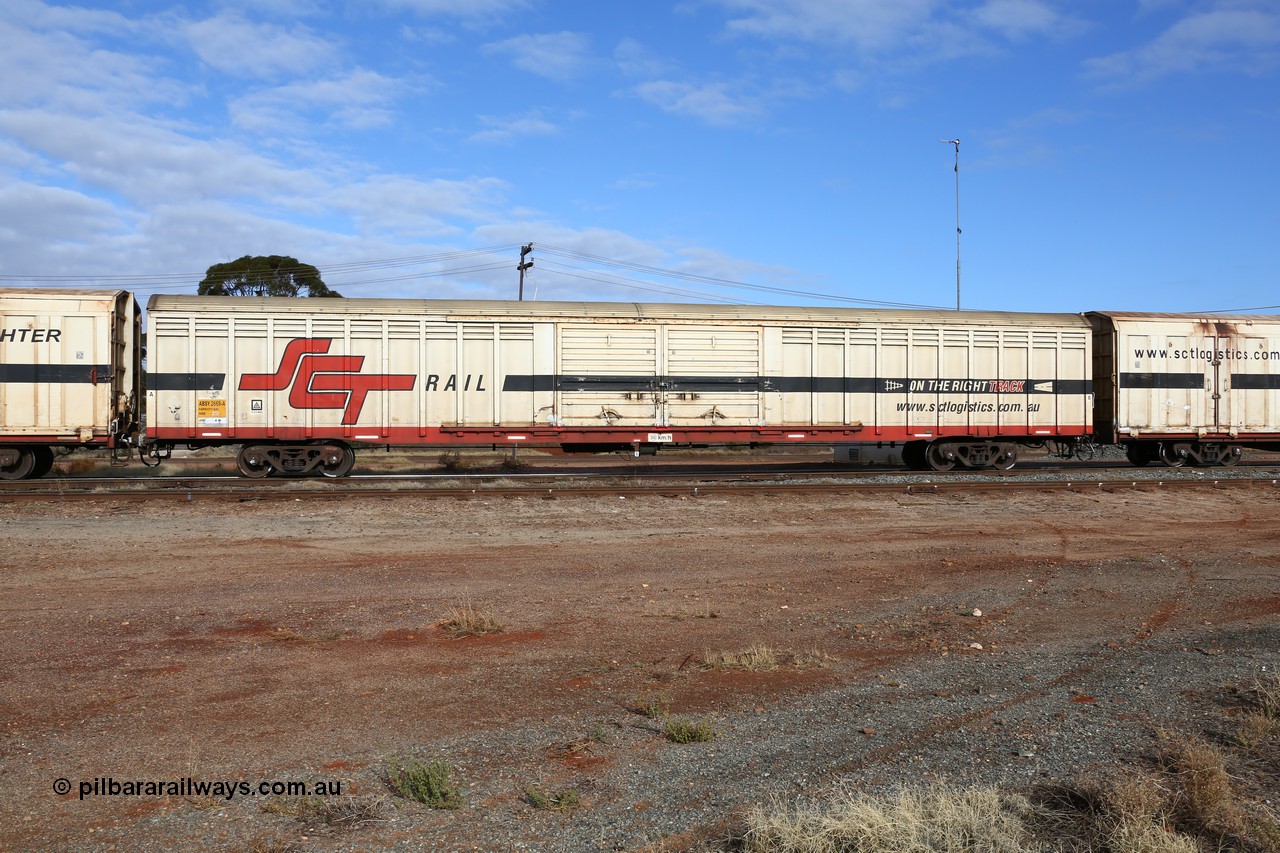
(946, 455)
(1179, 454)
(329, 458)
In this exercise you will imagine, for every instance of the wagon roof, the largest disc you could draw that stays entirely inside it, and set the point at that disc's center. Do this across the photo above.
(597, 310)
(57, 292)
(1218, 317)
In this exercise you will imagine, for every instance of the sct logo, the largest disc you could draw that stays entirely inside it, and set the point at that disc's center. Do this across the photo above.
(325, 381)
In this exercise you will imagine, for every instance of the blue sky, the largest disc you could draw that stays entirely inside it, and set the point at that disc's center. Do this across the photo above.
(1115, 154)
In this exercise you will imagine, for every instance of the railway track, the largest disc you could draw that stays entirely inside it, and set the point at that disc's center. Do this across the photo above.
(621, 482)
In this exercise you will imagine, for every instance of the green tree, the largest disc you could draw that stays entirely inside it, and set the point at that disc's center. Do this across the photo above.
(264, 275)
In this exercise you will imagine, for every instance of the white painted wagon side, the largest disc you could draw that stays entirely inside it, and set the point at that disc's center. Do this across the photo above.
(1207, 378)
(68, 368)
(362, 370)
(69, 374)
(936, 374)
(607, 374)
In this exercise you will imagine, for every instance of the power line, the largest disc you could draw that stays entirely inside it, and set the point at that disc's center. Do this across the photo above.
(721, 282)
(619, 281)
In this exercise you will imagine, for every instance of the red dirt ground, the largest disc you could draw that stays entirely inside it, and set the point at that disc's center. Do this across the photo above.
(301, 639)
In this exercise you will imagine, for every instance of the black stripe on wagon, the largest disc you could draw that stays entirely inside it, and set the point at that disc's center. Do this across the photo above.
(783, 384)
(1069, 386)
(186, 381)
(1161, 380)
(58, 373)
(1255, 381)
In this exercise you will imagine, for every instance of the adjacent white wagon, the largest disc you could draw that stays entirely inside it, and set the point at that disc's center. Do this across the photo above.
(69, 374)
(1187, 389)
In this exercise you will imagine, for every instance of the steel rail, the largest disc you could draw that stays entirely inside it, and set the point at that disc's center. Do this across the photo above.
(190, 489)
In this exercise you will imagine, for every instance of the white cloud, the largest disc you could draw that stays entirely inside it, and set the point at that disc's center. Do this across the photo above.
(459, 8)
(638, 181)
(712, 103)
(233, 45)
(1017, 19)
(393, 205)
(51, 215)
(1030, 140)
(636, 60)
(78, 19)
(359, 99)
(137, 160)
(60, 70)
(871, 25)
(558, 56)
(908, 32)
(502, 129)
(557, 276)
(116, 156)
(1230, 37)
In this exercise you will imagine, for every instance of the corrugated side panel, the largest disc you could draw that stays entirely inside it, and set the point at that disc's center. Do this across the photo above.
(608, 375)
(58, 363)
(712, 376)
(339, 375)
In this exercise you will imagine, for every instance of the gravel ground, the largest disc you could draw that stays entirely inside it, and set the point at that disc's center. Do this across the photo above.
(949, 639)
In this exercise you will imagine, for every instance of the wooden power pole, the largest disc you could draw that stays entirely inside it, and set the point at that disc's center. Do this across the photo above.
(524, 265)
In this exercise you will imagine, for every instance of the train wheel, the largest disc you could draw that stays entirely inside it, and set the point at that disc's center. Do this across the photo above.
(253, 462)
(1006, 457)
(913, 456)
(343, 466)
(1230, 456)
(21, 469)
(1138, 454)
(44, 461)
(1173, 455)
(941, 457)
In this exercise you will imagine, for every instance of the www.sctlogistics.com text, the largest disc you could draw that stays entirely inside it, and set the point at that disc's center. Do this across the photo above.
(226, 789)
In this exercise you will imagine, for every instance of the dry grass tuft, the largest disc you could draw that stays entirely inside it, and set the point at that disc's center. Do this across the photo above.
(685, 730)
(337, 812)
(1204, 798)
(976, 820)
(453, 462)
(1264, 694)
(513, 465)
(77, 465)
(755, 659)
(816, 657)
(1253, 729)
(1134, 814)
(653, 706)
(565, 802)
(761, 658)
(428, 782)
(464, 620)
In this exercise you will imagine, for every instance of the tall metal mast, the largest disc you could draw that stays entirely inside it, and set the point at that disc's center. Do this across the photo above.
(956, 143)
